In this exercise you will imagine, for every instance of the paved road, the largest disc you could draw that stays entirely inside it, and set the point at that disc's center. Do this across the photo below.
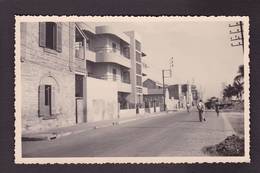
(173, 134)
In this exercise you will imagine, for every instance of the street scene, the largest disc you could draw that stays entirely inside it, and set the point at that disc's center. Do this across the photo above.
(111, 87)
(172, 134)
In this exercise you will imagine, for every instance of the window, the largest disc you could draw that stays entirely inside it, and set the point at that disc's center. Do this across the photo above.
(47, 93)
(50, 35)
(138, 45)
(138, 69)
(138, 57)
(51, 32)
(125, 76)
(139, 80)
(114, 47)
(79, 85)
(114, 74)
(79, 45)
(126, 52)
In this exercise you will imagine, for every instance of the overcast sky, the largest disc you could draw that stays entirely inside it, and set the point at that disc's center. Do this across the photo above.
(201, 50)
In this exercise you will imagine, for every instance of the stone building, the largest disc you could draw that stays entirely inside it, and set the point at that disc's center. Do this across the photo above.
(48, 74)
(68, 68)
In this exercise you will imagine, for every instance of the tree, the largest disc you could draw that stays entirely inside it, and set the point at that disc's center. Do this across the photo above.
(238, 83)
(229, 91)
(240, 75)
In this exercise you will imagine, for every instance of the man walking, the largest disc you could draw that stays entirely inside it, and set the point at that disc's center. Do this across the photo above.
(201, 109)
(188, 107)
(217, 108)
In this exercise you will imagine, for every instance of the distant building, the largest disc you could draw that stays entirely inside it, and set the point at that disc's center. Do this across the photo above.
(154, 96)
(184, 93)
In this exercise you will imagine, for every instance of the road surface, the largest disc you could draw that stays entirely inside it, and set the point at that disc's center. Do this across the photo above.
(172, 134)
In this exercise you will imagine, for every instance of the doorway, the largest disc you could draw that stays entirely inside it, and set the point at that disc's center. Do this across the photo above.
(79, 98)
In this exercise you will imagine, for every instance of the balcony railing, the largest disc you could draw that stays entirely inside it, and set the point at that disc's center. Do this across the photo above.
(110, 55)
(109, 77)
(90, 55)
(79, 50)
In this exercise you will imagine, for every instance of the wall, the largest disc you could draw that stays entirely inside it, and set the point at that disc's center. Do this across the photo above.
(101, 104)
(100, 41)
(127, 113)
(40, 66)
(132, 97)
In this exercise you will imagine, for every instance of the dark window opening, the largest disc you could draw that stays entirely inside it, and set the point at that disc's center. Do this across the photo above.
(47, 95)
(79, 44)
(114, 74)
(51, 35)
(114, 47)
(138, 69)
(138, 57)
(137, 45)
(138, 80)
(79, 85)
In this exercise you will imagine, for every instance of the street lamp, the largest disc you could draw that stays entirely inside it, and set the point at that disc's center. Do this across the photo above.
(166, 76)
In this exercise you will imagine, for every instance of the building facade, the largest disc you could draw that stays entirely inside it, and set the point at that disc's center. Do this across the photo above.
(73, 73)
(184, 94)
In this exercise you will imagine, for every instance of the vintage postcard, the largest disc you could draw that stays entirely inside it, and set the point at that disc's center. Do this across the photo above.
(91, 89)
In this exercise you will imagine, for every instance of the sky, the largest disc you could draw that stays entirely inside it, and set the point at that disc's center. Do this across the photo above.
(201, 51)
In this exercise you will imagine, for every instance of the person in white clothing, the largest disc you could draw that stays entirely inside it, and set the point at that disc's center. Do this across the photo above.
(201, 109)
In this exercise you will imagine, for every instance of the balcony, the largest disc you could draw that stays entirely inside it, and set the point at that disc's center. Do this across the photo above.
(124, 87)
(112, 31)
(108, 55)
(80, 65)
(90, 55)
(85, 27)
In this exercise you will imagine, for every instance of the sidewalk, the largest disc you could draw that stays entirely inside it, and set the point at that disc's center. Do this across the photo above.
(79, 128)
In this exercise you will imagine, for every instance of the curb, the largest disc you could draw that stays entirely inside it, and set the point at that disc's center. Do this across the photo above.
(230, 130)
(52, 136)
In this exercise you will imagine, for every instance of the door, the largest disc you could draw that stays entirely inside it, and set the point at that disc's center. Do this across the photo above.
(45, 100)
(79, 95)
(80, 110)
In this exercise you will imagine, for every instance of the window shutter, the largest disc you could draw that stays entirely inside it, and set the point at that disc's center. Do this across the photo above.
(53, 102)
(59, 37)
(41, 100)
(42, 34)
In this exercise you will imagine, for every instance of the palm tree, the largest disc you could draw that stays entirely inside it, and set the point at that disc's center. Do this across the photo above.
(229, 91)
(239, 82)
(240, 76)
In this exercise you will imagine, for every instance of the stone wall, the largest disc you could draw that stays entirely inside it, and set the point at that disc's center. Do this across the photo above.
(41, 66)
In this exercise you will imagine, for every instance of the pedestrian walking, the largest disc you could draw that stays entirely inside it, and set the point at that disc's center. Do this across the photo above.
(217, 108)
(188, 107)
(201, 109)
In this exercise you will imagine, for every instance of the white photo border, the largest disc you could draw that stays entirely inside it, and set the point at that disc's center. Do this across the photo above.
(101, 160)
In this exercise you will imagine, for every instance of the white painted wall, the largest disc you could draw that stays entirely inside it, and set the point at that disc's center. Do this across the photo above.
(101, 104)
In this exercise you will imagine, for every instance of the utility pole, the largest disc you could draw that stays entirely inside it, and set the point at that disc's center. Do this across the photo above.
(237, 35)
(166, 76)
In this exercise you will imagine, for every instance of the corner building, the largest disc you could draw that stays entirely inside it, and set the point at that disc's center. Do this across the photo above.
(73, 73)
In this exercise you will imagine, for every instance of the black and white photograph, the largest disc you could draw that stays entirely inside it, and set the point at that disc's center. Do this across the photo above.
(131, 89)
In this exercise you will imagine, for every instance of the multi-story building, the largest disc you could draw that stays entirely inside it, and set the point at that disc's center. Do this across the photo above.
(154, 95)
(184, 93)
(73, 73)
